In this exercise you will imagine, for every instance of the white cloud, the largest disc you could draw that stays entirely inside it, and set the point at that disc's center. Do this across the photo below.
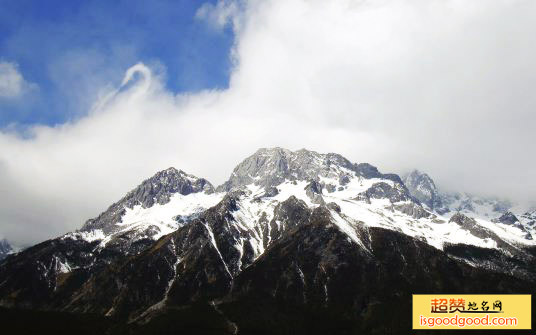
(12, 83)
(444, 86)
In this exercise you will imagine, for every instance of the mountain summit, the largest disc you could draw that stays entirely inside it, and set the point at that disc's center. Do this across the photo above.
(290, 237)
(273, 166)
(423, 188)
(159, 189)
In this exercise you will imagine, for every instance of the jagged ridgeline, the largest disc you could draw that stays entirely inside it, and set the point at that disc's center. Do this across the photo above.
(295, 242)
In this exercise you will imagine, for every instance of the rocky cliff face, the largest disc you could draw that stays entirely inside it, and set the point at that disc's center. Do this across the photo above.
(272, 167)
(5, 248)
(422, 187)
(293, 242)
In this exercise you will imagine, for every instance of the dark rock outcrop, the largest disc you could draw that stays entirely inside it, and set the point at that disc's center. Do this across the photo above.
(383, 190)
(508, 218)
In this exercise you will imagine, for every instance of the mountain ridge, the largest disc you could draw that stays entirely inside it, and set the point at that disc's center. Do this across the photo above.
(313, 233)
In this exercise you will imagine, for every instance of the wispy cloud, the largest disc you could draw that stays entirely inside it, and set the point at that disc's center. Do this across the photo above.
(221, 14)
(12, 83)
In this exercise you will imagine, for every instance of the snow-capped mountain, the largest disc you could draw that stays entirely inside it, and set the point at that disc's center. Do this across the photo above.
(486, 210)
(5, 248)
(422, 187)
(157, 207)
(144, 208)
(307, 232)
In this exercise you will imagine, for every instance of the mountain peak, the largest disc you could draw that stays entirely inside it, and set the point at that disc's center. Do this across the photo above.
(270, 167)
(508, 218)
(422, 187)
(163, 184)
(173, 173)
(289, 219)
(419, 177)
(156, 190)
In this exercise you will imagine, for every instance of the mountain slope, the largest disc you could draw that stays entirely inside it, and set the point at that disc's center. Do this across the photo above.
(290, 236)
(46, 274)
(492, 213)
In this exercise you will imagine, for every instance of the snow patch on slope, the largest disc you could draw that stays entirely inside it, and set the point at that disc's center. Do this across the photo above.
(158, 219)
(164, 216)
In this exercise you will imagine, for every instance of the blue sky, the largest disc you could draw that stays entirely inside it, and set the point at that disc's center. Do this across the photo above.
(69, 49)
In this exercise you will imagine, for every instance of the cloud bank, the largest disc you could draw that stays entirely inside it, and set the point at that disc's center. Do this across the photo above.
(445, 86)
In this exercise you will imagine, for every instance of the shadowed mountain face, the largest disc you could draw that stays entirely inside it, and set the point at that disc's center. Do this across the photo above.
(5, 248)
(293, 243)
